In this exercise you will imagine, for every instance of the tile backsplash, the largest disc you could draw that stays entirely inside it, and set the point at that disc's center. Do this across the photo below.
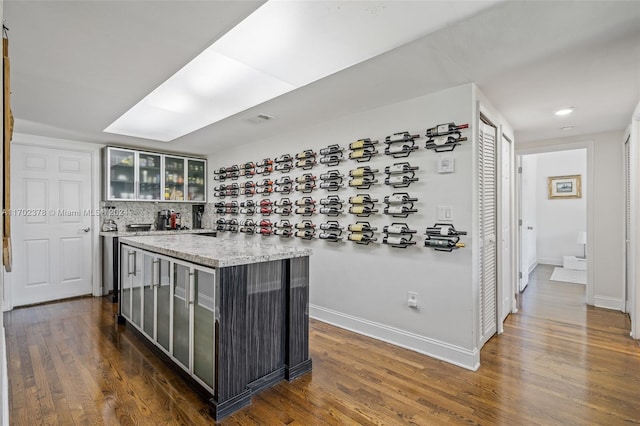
(129, 212)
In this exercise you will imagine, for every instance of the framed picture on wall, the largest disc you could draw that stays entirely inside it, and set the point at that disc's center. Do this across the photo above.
(565, 187)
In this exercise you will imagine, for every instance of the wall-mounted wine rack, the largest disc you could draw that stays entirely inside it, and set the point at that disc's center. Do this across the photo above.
(283, 228)
(247, 226)
(400, 145)
(305, 230)
(306, 159)
(283, 207)
(362, 205)
(305, 206)
(363, 177)
(361, 233)
(445, 137)
(399, 204)
(226, 208)
(363, 150)
(443, 237)
(331, 205)
(398, 235)
(264, 167)
(283, 163)
(331, 180)
(265, 207)
(306, 183)
(400, 175)
(331, 155)
(330, 231)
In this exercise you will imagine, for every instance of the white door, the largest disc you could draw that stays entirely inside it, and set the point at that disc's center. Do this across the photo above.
(51, 216)
(507, 292)
(487, 197)
(528, 218)
(627, 228)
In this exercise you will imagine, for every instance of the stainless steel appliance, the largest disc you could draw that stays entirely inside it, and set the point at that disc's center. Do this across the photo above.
(163, 222)
(196, 216)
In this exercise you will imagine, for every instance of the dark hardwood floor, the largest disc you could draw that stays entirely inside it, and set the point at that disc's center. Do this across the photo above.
(558, 363)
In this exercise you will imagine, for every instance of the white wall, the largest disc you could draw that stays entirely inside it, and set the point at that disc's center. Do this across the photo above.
(560, 220)
(607, 230)
(364, 288)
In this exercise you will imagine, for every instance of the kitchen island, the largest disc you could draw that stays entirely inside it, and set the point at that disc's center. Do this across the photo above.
(232, 315)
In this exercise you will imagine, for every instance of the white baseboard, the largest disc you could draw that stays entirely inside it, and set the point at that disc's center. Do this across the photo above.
(609, 302)
(465, 358)
(532, 267)
(550, 261)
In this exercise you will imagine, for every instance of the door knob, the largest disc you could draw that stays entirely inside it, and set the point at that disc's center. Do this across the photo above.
(87, 229)
(530, 228)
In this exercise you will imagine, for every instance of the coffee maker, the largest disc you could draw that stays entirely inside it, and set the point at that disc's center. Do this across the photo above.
(163, 222)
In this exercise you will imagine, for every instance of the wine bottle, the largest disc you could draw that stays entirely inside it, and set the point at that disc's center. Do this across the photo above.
(307, 162)
(248, 184)
(362, 210)
(248, 211)
(249, 165)
(266, 202)
(304, 201)
(331, 185)
(248, 203)
(399, 180)
(444, 230)
(305, 178)
(397, 229)
(331, 149)
(247, 222)
(264, 163)
(307, 153)
(331, 159)
(399, 209)
(362, 171)
(283, 224)
(305, 225)
(266, 210)
(284, 211)
(247, 191)
(362, 143)
(331, 199)
(264, 170)
(220, 228)
(397, 241)
(362, 181)
(264, 190)
(362, 199)
(399, 149)
(329, 236)
(265, 223)
(443, 243)
(400, 168)
(266, 231)
(331, 226)
(284, 189)
(233, 175)
(445, 129)
(219, 204)
(284, 180)
(305, 210)
(331, 175)
(233, 168)
(283, 167)
(306, 234)
(361, 227)
(330, 210)
(363, 153)
(265, 182)
(283, 202)
(232, 222)
(248, 230)
(283, 232)
(284, 158)
(361, 238)
(247, 172)
(221, 220)
(399, 199)
(400, 137)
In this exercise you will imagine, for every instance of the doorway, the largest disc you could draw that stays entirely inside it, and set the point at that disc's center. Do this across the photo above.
(554, 218)
(54, 222)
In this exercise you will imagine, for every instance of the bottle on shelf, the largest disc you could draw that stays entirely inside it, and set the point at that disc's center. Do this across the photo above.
(361, 227)
(362, 182)
(362, 199)
(331, 149)
(398, 228)
(399, 180)
(362, 171)
(399, 210)
(362, 143)
(399, 198)
(446, 244)
(443, 230)
(400, 168)
(397, 241)
(445, 129)
(361, 238)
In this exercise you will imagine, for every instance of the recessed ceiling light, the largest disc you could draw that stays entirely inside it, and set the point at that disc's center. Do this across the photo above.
(280, 47)
(564, 111)
(566, 128)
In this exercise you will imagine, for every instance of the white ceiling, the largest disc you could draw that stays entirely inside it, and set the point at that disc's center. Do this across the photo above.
(78, 65)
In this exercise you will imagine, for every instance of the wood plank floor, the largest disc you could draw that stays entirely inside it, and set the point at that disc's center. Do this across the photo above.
(558, 363)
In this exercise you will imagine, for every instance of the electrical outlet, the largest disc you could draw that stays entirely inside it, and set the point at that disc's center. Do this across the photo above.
(412, 300)
(445, 213)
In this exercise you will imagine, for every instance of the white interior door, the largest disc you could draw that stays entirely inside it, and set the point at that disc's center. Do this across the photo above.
(487, 197)
(627, 227)
(51, 202)
(507, 286)
(527, 171)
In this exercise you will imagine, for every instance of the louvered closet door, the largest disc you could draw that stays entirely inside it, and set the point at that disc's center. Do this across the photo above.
(488, 231)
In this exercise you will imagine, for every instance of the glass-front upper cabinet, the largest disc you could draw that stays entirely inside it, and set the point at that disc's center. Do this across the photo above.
(173, 178)
(196, 188)
(149, 182)
(121, 174)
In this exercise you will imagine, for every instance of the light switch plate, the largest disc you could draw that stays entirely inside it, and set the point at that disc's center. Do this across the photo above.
(445, 214)
(446, 164)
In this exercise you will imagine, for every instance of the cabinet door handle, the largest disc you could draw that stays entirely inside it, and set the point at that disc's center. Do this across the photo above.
(192, 287)
(155, 280)
(129, 263)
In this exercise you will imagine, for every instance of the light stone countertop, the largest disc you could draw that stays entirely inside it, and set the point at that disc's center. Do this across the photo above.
(145, 233)
(214, 252)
